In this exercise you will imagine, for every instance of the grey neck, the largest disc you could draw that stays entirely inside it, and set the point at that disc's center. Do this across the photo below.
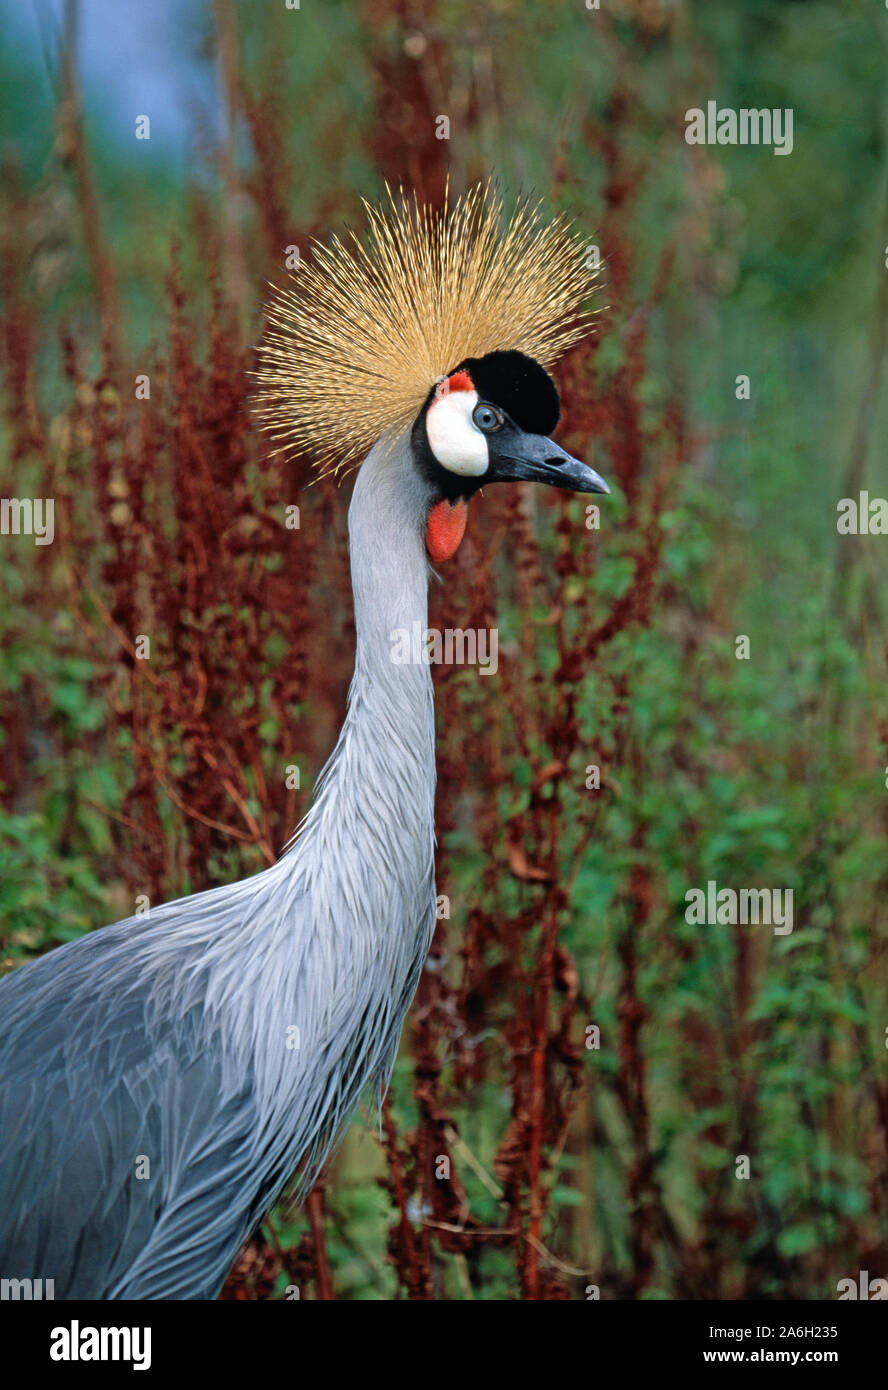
(390, 569)
(380, 778)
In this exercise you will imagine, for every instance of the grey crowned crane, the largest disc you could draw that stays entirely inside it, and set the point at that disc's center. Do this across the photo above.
(161, 1079)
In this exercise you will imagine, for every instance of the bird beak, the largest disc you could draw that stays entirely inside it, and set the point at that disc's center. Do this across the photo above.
(535, 459)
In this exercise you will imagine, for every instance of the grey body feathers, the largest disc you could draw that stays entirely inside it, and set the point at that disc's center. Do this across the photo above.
(162, 1078)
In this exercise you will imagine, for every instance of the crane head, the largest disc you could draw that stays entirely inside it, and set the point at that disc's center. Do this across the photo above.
(489, 421)
(437, 326)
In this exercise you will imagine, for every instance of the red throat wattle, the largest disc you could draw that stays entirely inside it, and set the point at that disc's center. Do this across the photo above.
(445, 529)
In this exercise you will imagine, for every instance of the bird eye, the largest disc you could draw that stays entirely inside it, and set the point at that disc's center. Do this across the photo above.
(487, 418)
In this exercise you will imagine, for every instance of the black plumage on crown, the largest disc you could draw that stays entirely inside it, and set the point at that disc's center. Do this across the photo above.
(518, 385)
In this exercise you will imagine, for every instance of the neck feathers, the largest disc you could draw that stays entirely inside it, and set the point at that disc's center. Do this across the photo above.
(382, 772)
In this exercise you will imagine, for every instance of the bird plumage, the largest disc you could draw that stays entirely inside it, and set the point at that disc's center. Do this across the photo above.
(161, 1079)
(354, 344)
(170, 1038)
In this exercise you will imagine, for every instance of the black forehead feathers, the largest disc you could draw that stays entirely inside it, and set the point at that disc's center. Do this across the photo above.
(519, 386)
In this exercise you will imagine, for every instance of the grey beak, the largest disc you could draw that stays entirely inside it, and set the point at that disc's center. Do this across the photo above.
(537, 459)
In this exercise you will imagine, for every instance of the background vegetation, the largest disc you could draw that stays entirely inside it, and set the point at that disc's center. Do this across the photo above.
(569, 1165)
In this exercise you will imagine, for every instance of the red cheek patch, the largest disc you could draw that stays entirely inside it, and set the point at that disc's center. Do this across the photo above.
(445, 529)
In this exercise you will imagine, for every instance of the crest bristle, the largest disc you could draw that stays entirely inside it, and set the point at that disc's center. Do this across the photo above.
(351, 351)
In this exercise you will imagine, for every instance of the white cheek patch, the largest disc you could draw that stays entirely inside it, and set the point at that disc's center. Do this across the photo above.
(456, 442)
